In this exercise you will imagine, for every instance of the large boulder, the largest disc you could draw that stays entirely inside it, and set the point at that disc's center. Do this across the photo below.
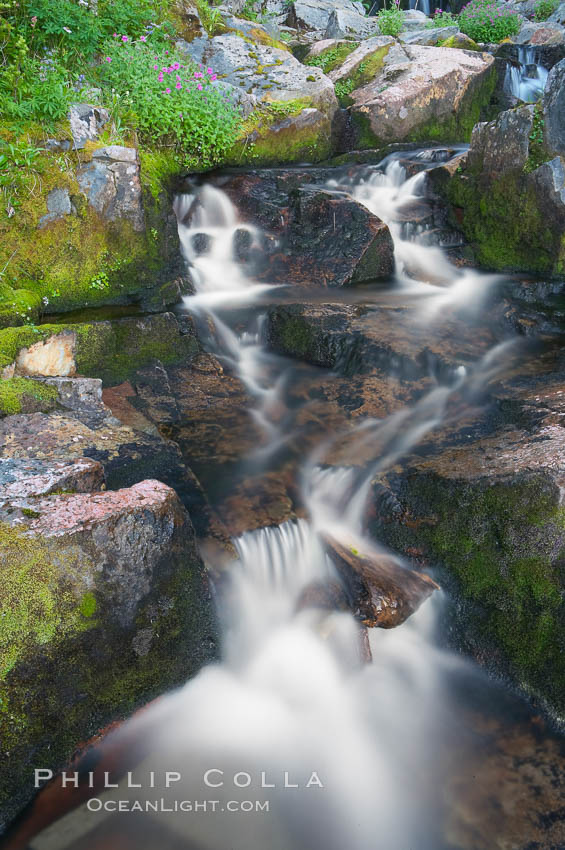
(423, 93)
(289, 106)
(349, 23)
(104, 604)
(430, 37)
(311, 237)
(509, 199)
(314, 14)
(540, 35)
(554, 110)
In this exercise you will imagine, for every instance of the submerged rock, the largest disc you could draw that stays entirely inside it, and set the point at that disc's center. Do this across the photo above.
(104, 604)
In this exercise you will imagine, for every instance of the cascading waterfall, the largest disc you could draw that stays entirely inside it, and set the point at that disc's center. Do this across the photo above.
(526, 80)
(347, 756)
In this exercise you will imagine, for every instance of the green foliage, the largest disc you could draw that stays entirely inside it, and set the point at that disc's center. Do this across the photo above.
(442, 19)
(537, 153)
(331, 58)
(249, 12)
(391, 20)
(343, 88)
(487, 21)
(172, 101)
(212, 20)
(543, 9)
(17, 167)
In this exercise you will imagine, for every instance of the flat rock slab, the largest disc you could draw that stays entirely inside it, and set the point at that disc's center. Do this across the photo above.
(23, 478)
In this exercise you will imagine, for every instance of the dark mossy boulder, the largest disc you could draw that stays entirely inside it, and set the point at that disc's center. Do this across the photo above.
(104, 604)
(508, 198)
(109, 350)
(491, 513)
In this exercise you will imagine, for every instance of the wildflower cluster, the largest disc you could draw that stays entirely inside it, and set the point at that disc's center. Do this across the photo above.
(172, 100)
(488, 21)
(442, 18)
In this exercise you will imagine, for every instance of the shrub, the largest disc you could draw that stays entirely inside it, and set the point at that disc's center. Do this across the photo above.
(172, 101)
(543, 9)
(391, 20)
(487, 21)
(442, 19)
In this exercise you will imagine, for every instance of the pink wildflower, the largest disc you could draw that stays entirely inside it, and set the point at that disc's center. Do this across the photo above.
(143, 38)
(210, 71)
(199, 86)
(178, 85)
(160, 78)
(108, 58)
(125, 38)
(168, 91)
(176, 66)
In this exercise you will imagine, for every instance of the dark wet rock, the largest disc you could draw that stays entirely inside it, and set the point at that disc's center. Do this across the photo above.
(381, 591)
(313, 237)
(509, 199)
(553, 105)
(87, 122)
(117, 610)
(358, 339)
(491, 513)
(423, 93)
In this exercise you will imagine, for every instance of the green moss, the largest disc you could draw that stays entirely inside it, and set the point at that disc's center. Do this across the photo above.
(537, 152)
(459, 44)
(13, 340)
(452, 127)
(333, 57)
(30, 513)
(265, 142)
(159, 169)
(362, 74)
(499, 540)
(261, 37)
(18, 306)
(88, 605)
(504, 222)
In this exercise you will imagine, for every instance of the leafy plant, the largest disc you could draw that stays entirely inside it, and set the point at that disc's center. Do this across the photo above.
(248, 12)
(172, 101)
(543, 9)
(391, 20)
(442, 19)
(17, 165)
(332, 57)
(488, 22)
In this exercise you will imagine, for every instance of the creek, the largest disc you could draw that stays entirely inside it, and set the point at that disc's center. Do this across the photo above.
(418, 749)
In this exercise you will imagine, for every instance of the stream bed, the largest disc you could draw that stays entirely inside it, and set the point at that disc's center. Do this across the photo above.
(293, 741)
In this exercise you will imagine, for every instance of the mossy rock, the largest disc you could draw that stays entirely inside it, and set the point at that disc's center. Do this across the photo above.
(66, 648)
(111, 350)
(82, 259)
(503, 539)
(24, 395)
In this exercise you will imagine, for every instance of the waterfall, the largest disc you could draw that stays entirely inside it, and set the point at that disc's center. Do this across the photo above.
(526, 80)
(291, 741)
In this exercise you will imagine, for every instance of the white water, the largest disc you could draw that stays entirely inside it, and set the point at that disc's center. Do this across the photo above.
(527, 80)
(292, 694)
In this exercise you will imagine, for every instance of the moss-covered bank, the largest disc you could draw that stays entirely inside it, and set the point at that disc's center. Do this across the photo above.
(503, 539)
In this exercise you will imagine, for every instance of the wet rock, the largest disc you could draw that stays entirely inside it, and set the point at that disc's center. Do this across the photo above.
(87, 122)
(112, 186)
(104, 604)
(312, 236)
(553, 105)
(382, 592)
(345, 23)
(490, 511)
(422, 93)
(356, 339)
(504, 144)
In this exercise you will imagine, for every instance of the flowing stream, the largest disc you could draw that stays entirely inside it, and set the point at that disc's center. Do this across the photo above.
(346, 755)
(527, 79)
